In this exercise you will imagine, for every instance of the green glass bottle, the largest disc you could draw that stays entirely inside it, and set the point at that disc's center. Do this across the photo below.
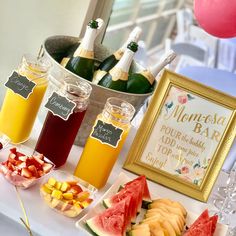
(142, 82)
(82, 61)
(113, 59)
(117, 77)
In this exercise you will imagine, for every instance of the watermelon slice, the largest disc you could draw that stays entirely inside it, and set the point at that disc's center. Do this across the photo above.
(214, 220)
(203, 226)
(202, 230)
(204, 217)
(111, 222)
(135, 201)
(146, 194)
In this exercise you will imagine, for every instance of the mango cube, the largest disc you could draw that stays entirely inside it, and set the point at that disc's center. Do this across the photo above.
(86, 203)
(55, 202)
(52, 181)
(57, 194)
(58, 185)
(83, 196)
(77, 207)
(71, 213)
(65, 186)
(68, 196)
(67, 205)
(47, 198)
(46, 190)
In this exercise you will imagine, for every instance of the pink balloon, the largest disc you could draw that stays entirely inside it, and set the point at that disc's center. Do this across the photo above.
(217, 17)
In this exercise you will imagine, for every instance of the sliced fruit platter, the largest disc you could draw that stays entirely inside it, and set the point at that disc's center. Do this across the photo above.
(67, 194)
(24, 171)
(127, 209)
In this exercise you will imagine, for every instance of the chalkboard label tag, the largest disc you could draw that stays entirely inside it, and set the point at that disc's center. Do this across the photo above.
(20, 85)
(107, 133)
(60, 106)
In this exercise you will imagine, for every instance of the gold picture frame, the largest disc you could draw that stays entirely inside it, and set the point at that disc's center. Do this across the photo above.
(185, 136)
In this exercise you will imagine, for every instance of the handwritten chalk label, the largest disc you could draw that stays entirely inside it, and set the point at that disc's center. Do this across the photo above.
(60, 106)
(20, 84)
(107, 133)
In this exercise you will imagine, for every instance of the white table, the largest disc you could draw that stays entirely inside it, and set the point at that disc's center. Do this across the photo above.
(43, 220)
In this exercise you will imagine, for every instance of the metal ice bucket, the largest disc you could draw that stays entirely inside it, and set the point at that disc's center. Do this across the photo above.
(55, 48)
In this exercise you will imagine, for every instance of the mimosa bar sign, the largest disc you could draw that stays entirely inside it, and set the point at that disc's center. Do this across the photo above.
(60, 106)
(188, 131)
(20, 84)
(185, 136)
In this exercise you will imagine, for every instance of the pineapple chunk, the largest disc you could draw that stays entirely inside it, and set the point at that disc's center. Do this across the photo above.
(52, 181)
(58, 185)
(68, 196)
(83, 196)
(57, 194)
(65, 186)
(46, 190)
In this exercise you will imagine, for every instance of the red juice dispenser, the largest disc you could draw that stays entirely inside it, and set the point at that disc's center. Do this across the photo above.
(67, 108)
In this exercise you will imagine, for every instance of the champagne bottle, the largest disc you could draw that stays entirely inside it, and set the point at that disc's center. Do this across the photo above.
(112, 60)
(69, 54)
(142, 82)
(82, 61)
(117, 77)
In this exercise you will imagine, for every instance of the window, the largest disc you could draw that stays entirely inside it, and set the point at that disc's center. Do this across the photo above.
(155, 17)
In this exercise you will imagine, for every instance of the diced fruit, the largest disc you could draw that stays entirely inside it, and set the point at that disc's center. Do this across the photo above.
(71, 213)
(58, 185)
(52, 181)
(22, 158)
(40, 161)
(33, 170)
(55, 202)
(75, 189)
(47, 167)
(26, 173)
(65, 186)
(57, 194)
(26, 168)
(83, 196)
(66, 197)
(67, 205)
(12, 156)
(46, 189)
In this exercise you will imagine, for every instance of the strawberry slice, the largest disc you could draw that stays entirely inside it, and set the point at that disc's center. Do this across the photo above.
(41, 162)
(12, 156)
(40, 156)
(33, 170)
(23, 158)
(26, 173)
(47, 167)
(13, 150)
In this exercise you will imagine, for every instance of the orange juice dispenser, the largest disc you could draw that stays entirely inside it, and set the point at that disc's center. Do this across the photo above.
(105, 142)
(25, 90)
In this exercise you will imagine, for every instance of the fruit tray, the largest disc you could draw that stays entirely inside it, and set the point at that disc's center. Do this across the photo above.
(221, 230)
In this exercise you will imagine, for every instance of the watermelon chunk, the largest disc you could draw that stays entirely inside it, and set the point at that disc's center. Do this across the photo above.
(146, 194)
(203, 226)
(201, 230)
(111, 222)
(135, 201)
(214, 220)
(204, 217)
